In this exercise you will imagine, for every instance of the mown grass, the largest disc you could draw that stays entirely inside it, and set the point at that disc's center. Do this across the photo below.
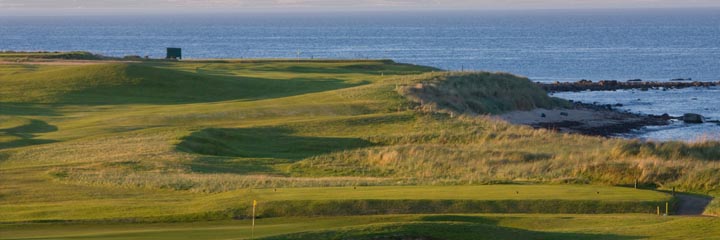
(466, 226)
(77, 55)
(347, 201)
(185, 141)
(148, 205)
(128, 83)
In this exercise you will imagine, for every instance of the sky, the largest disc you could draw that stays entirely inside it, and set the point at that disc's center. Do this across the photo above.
(79, 5)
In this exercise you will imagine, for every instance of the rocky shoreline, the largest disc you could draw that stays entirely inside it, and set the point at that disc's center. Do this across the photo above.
(587, 119)
(612, 85)
(605, 120)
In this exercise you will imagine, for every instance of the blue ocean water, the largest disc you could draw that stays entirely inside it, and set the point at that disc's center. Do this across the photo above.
(542, 45)
(705, 101)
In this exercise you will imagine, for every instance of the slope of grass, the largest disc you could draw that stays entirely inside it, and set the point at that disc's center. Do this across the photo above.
(123, 83)
(523, 227)
(77, 55)
(185, 141)
(451, 227)
(263, 143)
(166, 205)
(479, 93)
(329, 201)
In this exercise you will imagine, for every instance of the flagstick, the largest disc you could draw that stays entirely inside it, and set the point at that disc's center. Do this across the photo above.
(252, 233)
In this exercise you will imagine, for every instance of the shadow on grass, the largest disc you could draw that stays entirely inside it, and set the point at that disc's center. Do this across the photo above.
(246, 150)
(445, 227)
(23, 143)
(23, 135)
(25, 109)
(26, 130)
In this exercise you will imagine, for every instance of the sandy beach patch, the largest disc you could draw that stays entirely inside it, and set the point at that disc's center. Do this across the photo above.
(584, 120)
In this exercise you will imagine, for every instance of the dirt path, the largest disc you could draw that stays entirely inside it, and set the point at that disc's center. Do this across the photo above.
(692, 205)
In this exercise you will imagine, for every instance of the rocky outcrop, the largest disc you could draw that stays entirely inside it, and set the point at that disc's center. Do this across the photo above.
(609, 85)
(588, 119)
(693, 118)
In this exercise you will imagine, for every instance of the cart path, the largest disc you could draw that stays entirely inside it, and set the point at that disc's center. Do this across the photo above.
(691, 204)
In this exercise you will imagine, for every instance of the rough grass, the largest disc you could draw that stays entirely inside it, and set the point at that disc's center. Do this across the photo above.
(478, 93)
(179, 140)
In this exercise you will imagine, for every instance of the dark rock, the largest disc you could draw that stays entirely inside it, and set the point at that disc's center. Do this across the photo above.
(611, 85)
(624, 123)
(543, 115)
(693, 118)
(564, 114)
(608, 83)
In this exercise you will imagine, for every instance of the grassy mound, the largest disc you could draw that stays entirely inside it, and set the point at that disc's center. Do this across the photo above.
(127, 83)
(77, 55)
(264, 143)
(455, 199)
(480, 93)
(374, 207)
(334, 201)
(518, 226)
(385, 227)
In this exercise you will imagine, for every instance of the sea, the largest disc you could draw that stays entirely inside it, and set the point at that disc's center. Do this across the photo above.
(543, 45)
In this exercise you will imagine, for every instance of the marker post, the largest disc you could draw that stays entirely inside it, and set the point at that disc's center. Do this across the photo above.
(252, 233)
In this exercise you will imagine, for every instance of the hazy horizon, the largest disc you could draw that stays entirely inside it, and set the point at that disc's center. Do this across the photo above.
(61, 7)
